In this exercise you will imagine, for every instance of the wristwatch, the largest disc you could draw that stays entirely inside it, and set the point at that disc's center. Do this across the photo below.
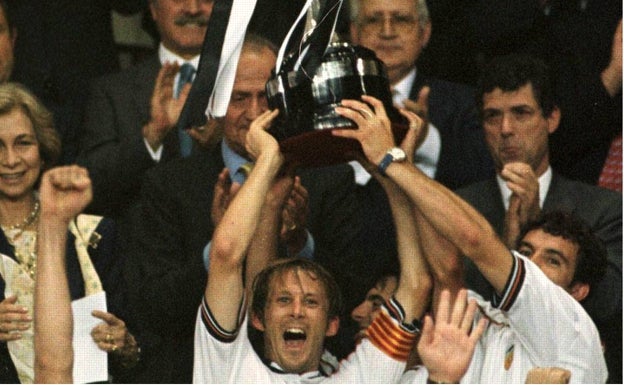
(395, 154)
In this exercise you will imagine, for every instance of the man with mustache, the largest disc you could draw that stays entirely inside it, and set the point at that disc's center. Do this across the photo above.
(131, 116)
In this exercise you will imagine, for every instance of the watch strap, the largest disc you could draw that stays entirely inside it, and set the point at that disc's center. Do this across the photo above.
(385, 162)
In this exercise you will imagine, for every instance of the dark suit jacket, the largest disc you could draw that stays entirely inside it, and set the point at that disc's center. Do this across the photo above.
(165, 271)
(600, 208)
(61, 45)
(112, 146)
(464, 159)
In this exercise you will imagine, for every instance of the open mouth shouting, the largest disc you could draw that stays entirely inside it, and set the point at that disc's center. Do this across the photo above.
(294, 337)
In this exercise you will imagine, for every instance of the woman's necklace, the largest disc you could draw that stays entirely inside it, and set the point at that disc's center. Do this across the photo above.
(24, 252)
(34, 213)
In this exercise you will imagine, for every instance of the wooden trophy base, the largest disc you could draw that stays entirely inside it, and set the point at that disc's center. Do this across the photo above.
(320, 148)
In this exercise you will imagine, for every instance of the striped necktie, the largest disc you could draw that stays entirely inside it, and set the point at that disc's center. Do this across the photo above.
(241, 174)
(245, 170)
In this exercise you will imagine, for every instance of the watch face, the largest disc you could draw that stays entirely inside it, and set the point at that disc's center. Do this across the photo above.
(398, 154)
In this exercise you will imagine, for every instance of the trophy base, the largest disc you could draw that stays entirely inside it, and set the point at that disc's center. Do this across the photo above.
(320, 148)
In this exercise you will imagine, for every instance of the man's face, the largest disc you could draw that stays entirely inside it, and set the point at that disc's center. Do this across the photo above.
(182, 24)
(248, 99)
(391, 29)
(554, 255)
(515, 128)
(7, 42)
(366, 311)
(296, 322)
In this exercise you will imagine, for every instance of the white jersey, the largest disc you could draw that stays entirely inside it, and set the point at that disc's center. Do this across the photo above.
(535, 324)
(224, 357)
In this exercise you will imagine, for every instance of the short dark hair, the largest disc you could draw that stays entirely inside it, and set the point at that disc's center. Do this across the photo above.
(262, 284)
(511, 72)
(591, 259)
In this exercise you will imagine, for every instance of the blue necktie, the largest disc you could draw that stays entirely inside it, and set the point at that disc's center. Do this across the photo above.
(186, 76)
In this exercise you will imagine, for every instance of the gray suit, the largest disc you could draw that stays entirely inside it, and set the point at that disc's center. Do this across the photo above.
(112, 146)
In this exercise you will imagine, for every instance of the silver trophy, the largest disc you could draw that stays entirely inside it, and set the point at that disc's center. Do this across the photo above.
(313, 80)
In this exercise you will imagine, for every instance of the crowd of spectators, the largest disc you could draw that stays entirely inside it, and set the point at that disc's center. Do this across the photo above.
(491, 234)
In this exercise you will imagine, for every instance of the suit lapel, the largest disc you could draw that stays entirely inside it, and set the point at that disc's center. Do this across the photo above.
(490, 204)
(559, 195)
(144, 83)
(419, 82)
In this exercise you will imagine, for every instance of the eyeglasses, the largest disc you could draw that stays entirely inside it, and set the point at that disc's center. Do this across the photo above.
(400, 23)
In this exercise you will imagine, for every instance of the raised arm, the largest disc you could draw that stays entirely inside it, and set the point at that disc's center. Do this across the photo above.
(264, 245)
(233, 235)
(64, 193)
(414, 289)
(450, 216)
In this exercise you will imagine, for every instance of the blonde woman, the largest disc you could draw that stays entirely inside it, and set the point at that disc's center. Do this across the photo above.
(29, 145)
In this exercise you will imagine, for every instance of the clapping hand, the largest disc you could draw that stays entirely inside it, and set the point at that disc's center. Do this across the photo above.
(224, 192)
(421, 108)
(208, 135)
(294, 216)
(524, 201)
(165, 107)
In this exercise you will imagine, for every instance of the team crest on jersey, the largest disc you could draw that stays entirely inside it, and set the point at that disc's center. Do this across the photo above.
(509, 357)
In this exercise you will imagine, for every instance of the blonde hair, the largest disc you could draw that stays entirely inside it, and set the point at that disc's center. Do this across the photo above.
(13, 96)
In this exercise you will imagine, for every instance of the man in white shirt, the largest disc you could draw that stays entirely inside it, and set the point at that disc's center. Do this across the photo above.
(295, 303)
(518, 336)
(519, 114)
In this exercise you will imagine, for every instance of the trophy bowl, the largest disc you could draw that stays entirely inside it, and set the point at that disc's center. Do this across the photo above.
(307, 104)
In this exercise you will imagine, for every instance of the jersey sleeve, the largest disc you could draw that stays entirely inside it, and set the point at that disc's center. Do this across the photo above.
(381, 357)
(217, 350)
(552, 325)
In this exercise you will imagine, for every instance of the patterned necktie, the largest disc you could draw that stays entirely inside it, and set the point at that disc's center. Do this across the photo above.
(186, 76)
(611, 176)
